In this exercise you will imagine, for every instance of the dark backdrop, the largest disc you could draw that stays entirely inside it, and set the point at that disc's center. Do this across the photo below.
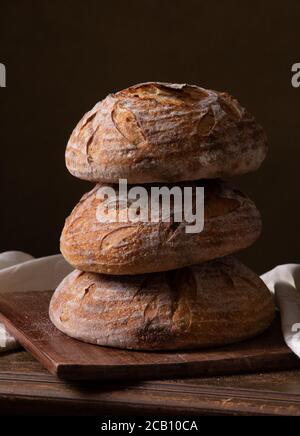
(62, 56)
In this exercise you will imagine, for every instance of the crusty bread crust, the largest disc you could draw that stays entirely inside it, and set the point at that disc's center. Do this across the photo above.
(232, 223)
(216, 303)
(161, 132)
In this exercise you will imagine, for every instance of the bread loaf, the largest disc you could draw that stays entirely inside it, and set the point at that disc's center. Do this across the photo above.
(160, 132)
(216, 303)
(231, 223)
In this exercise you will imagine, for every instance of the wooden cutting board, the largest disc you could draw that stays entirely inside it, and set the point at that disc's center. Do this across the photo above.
(26, 316)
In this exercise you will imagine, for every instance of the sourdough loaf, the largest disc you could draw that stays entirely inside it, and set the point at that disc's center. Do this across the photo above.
(231, 223)
(160, 132)
(215, 303)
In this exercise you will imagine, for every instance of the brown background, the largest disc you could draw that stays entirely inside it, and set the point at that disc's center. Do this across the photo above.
(63, 56)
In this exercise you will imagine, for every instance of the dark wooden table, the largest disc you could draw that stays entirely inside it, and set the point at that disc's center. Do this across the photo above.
(27, 388)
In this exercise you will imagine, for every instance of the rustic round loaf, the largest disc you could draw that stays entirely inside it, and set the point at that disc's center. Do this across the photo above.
(160, 132)
(231, 223)
(216, 303)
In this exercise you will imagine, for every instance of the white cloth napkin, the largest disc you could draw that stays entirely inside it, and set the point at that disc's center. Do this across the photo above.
(21, 272)
(284, 283)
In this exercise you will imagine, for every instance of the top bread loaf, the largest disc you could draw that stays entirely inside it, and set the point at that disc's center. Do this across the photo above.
(161, 132)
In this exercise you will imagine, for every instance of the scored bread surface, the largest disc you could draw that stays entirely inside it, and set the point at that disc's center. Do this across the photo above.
(216, 303)
(161, 132)
(231, 223)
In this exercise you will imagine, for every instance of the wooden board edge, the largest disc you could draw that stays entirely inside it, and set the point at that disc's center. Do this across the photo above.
(29, 346)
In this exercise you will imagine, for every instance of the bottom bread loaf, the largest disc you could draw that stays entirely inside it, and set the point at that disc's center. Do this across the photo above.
(211, 304)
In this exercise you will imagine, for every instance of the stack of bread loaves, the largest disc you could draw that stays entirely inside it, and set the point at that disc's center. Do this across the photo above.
(152, 285)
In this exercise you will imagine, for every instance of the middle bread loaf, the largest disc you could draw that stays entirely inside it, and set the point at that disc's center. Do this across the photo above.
(232, 223)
